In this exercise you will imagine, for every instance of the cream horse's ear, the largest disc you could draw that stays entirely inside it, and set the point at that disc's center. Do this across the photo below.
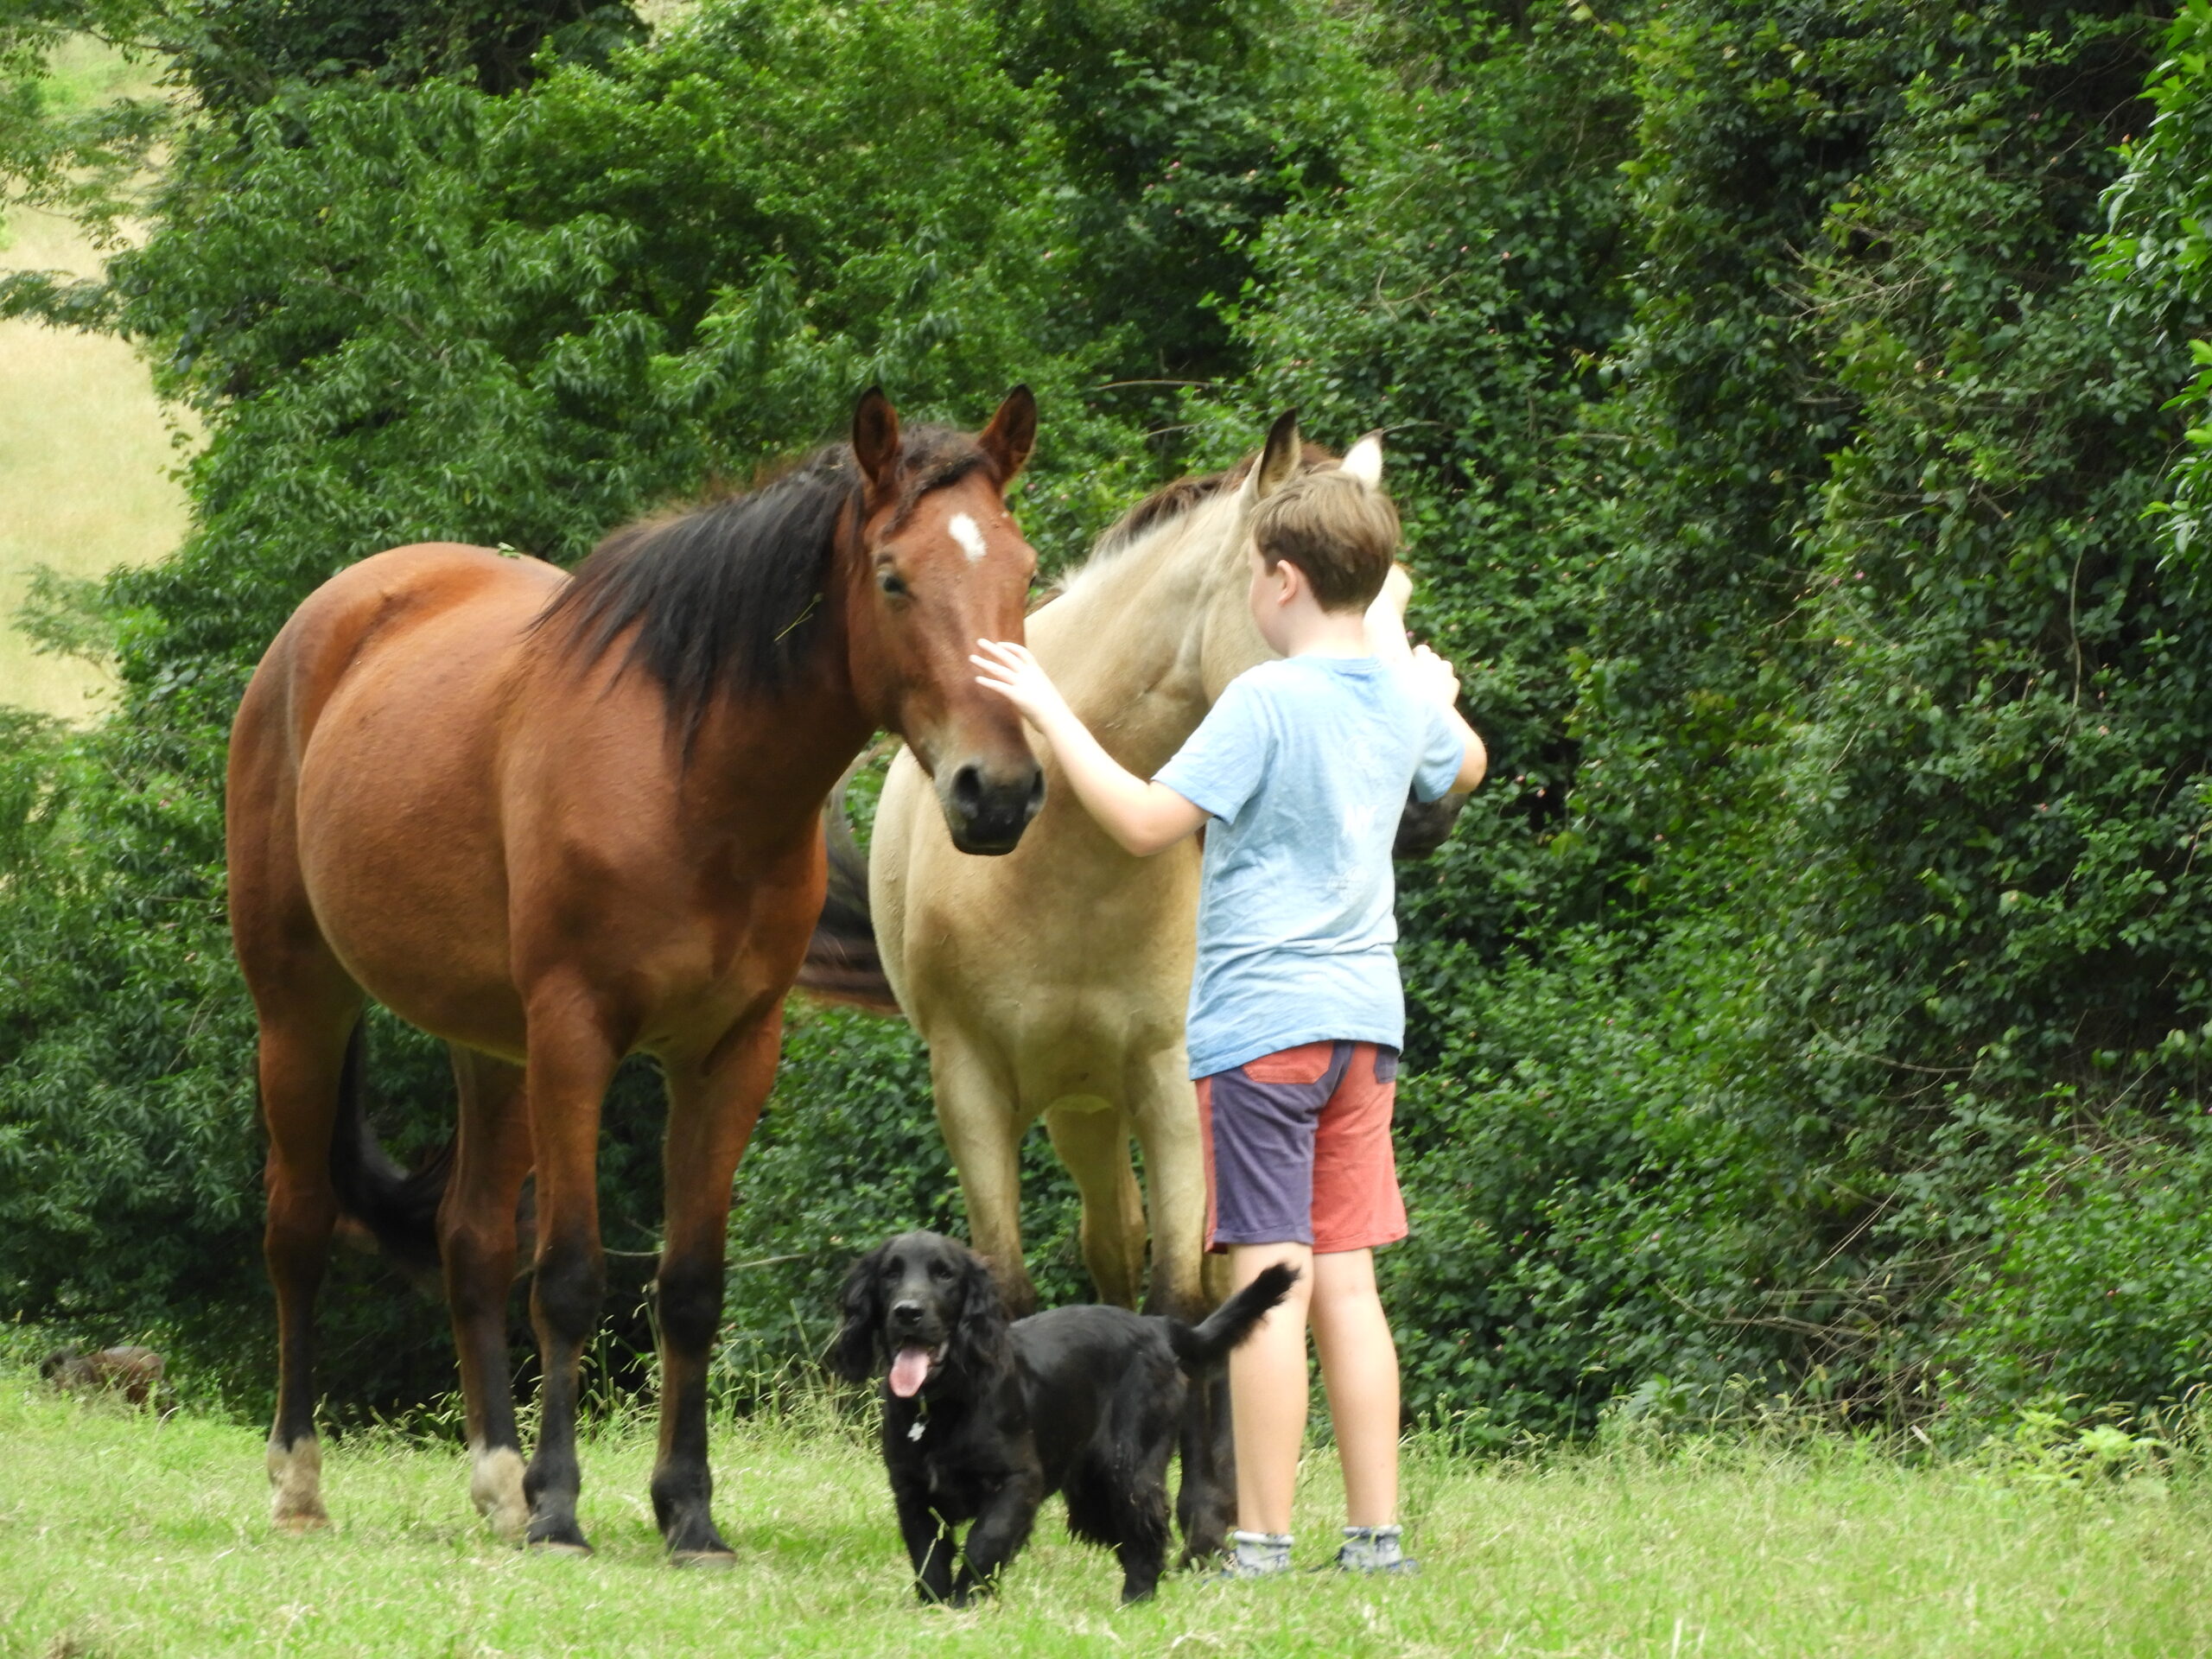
(1364, 461)
(1278, 461)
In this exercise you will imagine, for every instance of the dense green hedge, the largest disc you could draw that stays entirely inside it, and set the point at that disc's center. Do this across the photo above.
(1778, 399)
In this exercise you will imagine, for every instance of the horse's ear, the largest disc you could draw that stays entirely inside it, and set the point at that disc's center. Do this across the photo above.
(875, 437)
(1364, 461)
(1012, 435)
(1279, 459)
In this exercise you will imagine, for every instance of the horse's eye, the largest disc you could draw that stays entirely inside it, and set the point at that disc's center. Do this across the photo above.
(891, 583)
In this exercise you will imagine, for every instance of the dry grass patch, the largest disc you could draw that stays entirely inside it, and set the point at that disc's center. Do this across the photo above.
(86, 451)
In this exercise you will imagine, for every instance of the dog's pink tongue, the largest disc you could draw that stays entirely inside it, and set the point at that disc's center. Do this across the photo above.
(909, 1370)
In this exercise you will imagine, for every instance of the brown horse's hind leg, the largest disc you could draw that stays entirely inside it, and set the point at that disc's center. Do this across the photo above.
(571, 1063)
(476, 1242)
(301, 1062)
(710, 1117)
(1094, 1144)
(980, 1119)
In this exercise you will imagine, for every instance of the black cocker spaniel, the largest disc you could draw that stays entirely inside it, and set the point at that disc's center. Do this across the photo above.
(983, 1419)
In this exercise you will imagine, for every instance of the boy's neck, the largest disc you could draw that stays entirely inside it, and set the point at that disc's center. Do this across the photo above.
(1309, 631)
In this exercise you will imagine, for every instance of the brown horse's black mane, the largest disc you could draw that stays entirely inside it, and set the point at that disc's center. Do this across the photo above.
(726, 598)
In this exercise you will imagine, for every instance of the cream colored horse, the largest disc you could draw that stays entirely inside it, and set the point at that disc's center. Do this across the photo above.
(1053, 981)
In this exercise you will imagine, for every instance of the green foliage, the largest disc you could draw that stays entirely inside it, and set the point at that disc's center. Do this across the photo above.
(1775, 398)
(413, 314)
(237, 53)
(2103, 1288)
(2159, 258)
(1783, 499)
(1184, 125)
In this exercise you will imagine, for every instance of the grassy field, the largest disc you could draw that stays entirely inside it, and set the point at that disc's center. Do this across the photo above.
(121, 1536)
(85, 449)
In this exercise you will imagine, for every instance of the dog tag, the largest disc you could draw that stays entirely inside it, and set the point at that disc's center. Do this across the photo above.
(915, 1433)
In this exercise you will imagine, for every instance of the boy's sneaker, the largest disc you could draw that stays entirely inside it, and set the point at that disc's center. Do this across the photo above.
(1374, 1549)
(1254, 1556)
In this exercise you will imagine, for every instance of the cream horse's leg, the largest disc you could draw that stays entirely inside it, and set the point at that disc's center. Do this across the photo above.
(1093, 1140)
(1164, 1105)
(980, 1119)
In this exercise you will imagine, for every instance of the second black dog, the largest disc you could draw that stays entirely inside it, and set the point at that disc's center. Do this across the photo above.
(983, 1420)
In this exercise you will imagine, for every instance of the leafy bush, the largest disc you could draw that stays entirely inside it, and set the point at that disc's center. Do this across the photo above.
(2103, 1288)
(1816, 998)
(426, 313)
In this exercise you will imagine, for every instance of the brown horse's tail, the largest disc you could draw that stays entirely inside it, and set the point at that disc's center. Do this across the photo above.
(842, 964)
(398, 1206)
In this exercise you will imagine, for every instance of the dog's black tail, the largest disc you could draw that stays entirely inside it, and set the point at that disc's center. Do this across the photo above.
(1199, 1348)
(399, 1206)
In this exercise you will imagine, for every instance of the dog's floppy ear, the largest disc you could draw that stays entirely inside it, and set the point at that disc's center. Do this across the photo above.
(852, 1354)
(979, 1342)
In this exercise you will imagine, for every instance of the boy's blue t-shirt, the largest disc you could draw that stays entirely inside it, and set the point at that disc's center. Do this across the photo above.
(1305, 762)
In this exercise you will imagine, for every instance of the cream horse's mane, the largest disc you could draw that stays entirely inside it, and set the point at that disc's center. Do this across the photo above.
(1170, 508)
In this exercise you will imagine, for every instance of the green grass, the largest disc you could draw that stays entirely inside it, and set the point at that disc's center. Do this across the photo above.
(122, 1536)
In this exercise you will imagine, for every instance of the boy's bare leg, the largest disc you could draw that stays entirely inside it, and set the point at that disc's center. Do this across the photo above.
(1267, 1391)
(1359, 1366)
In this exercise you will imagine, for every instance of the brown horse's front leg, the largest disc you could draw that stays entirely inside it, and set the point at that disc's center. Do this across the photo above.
(712, 1109)
(571, 1062)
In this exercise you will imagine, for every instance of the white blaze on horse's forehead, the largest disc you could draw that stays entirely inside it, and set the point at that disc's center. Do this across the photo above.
(969, 537)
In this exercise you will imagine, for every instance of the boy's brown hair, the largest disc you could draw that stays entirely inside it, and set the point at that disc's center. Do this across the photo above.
(1339, 532)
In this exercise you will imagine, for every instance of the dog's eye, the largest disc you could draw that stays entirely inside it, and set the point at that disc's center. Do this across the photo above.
(938, 1270)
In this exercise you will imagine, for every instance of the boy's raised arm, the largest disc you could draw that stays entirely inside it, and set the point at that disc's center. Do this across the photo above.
(1144, 817)
(1440, 684)
(1430, 674)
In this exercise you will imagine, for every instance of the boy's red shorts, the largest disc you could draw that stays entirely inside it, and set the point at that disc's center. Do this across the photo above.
(1298, 1149)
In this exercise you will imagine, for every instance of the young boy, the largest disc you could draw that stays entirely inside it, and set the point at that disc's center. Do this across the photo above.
(1296, 1016)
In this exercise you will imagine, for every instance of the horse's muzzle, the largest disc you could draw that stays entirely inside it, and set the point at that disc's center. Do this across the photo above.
(986, 809)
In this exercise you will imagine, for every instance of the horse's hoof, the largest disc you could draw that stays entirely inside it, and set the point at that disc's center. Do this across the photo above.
(495, 1486)
(555, 1547)
(310, 1521)
(706, 1560)
(507, 1526)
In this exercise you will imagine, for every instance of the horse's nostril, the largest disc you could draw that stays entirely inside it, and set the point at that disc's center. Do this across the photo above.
(967, 790)
(1035, 803)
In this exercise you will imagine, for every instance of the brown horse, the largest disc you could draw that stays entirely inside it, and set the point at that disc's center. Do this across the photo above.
(558, 821)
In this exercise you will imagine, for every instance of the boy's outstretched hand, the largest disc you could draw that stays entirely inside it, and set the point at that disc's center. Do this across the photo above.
(1144, 817)
(1438, 680)
(1009, 670)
